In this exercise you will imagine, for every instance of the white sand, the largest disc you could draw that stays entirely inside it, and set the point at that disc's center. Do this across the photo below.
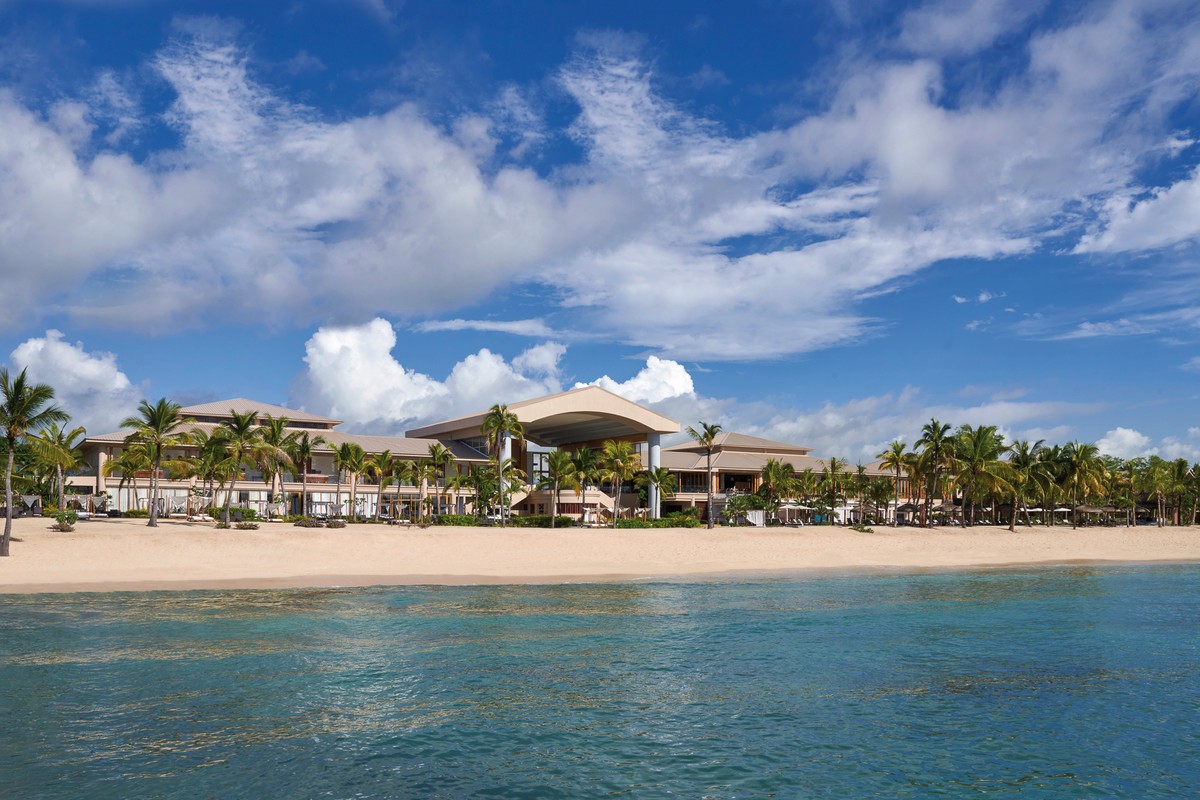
(106, 555)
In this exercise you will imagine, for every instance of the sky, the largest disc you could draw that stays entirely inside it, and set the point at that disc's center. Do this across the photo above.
(820, 222)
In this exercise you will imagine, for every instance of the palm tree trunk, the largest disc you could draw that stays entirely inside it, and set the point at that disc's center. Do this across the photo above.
(338, 496)
(8, 501)
(153, 521)
(554, 504)
(617, 502)
(710, 491)
(62, 489)
(304, 492)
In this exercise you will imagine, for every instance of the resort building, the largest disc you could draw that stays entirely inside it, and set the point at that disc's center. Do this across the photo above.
(583, 417)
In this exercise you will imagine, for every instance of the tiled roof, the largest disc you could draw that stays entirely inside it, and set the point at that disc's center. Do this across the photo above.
(221, 408)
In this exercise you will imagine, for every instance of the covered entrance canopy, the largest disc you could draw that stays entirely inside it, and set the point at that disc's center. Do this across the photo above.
(580, 416)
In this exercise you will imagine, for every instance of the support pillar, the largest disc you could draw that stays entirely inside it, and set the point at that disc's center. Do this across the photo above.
(654, 448)
(505, 455)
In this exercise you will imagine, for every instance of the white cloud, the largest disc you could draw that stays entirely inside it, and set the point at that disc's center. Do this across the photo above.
(661, 379)
(960, 299)
(1124, 443)
(350, 373)
(959, 28)
(1129, 443)
(267, 209)
(1192, 364)
(1166, 217)
(88, 386)
(519, 327)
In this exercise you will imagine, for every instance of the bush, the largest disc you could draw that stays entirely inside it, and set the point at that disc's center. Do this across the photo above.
(246, 526)
(64, 521)
(455, 520)
(665, 522)
(336, 523)
(306, 522)
(50, 510)
(861, 528)
(688, 512)
(138, 513)
(240, 514)
(541, 521)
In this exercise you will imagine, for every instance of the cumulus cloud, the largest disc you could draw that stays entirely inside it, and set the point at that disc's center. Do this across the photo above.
(266, 208)
(351, 374)
(88, 386)
(659, 380)
(1129, 443)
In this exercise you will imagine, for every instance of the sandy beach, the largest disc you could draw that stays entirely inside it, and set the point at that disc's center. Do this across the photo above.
(111, 555)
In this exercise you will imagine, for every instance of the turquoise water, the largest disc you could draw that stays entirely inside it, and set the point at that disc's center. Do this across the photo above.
(1048, 683)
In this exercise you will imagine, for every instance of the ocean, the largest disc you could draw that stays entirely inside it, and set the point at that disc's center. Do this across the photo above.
(1080, 682)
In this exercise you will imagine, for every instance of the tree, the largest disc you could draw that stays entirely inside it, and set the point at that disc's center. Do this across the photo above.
(979, 470)
(660, 478)
(499, 424)
(1082, 474)
(349, 458)
(936, 453)
(834, 479)
(130, 461)
(303, 451)
(24, 407)
(59, 450)
(587, 465)
(274, 451)
(159, 426)
(778, 483)
(706, 437)
(379, 467)
(1027, 469)
(561, 473)
(241, 437)
(441, 458)
(895, 459)
(619, 462)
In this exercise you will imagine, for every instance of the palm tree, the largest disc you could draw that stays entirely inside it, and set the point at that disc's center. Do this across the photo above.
(834, 478)
(1082, 472)
(560, 474)
(499, 424)
(59, 450)
(619, 462)
(587, 465)
(303, 451)
(895, 459)
(352, 459)
(1027, 469)
(127, 464)
(158, 428)
(778, 483)
(936, 452)
(379, 467)
(241, 438)
(344, 459)
(441, 458)
(706, 437)
(662, 479)
(274, 451)
(979, 470)
(23, 408)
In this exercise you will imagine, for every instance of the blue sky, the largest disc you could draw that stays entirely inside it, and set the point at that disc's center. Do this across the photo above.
(820, 222)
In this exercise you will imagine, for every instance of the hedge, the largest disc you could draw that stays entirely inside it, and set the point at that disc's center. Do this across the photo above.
(676, 522)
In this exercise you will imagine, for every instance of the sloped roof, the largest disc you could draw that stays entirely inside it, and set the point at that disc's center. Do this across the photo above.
(400, 446)
(221, 408)
(730, 440)
(588, 413)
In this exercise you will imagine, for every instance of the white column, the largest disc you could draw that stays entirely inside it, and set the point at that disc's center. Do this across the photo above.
(653, 443)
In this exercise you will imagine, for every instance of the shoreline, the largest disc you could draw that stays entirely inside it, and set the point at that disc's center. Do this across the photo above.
(127, 556)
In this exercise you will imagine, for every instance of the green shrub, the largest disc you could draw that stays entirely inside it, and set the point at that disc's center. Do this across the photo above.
(138, 513)
(247, 514)
(541, 521)
(861, 528)
(246, 526)
(665, 522)
(64, 521)
(306, 522)
(50, 510)
(688, 512)
(456, 520)
(336, 523)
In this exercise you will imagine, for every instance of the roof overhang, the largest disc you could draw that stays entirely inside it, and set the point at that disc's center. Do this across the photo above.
(587, 414)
